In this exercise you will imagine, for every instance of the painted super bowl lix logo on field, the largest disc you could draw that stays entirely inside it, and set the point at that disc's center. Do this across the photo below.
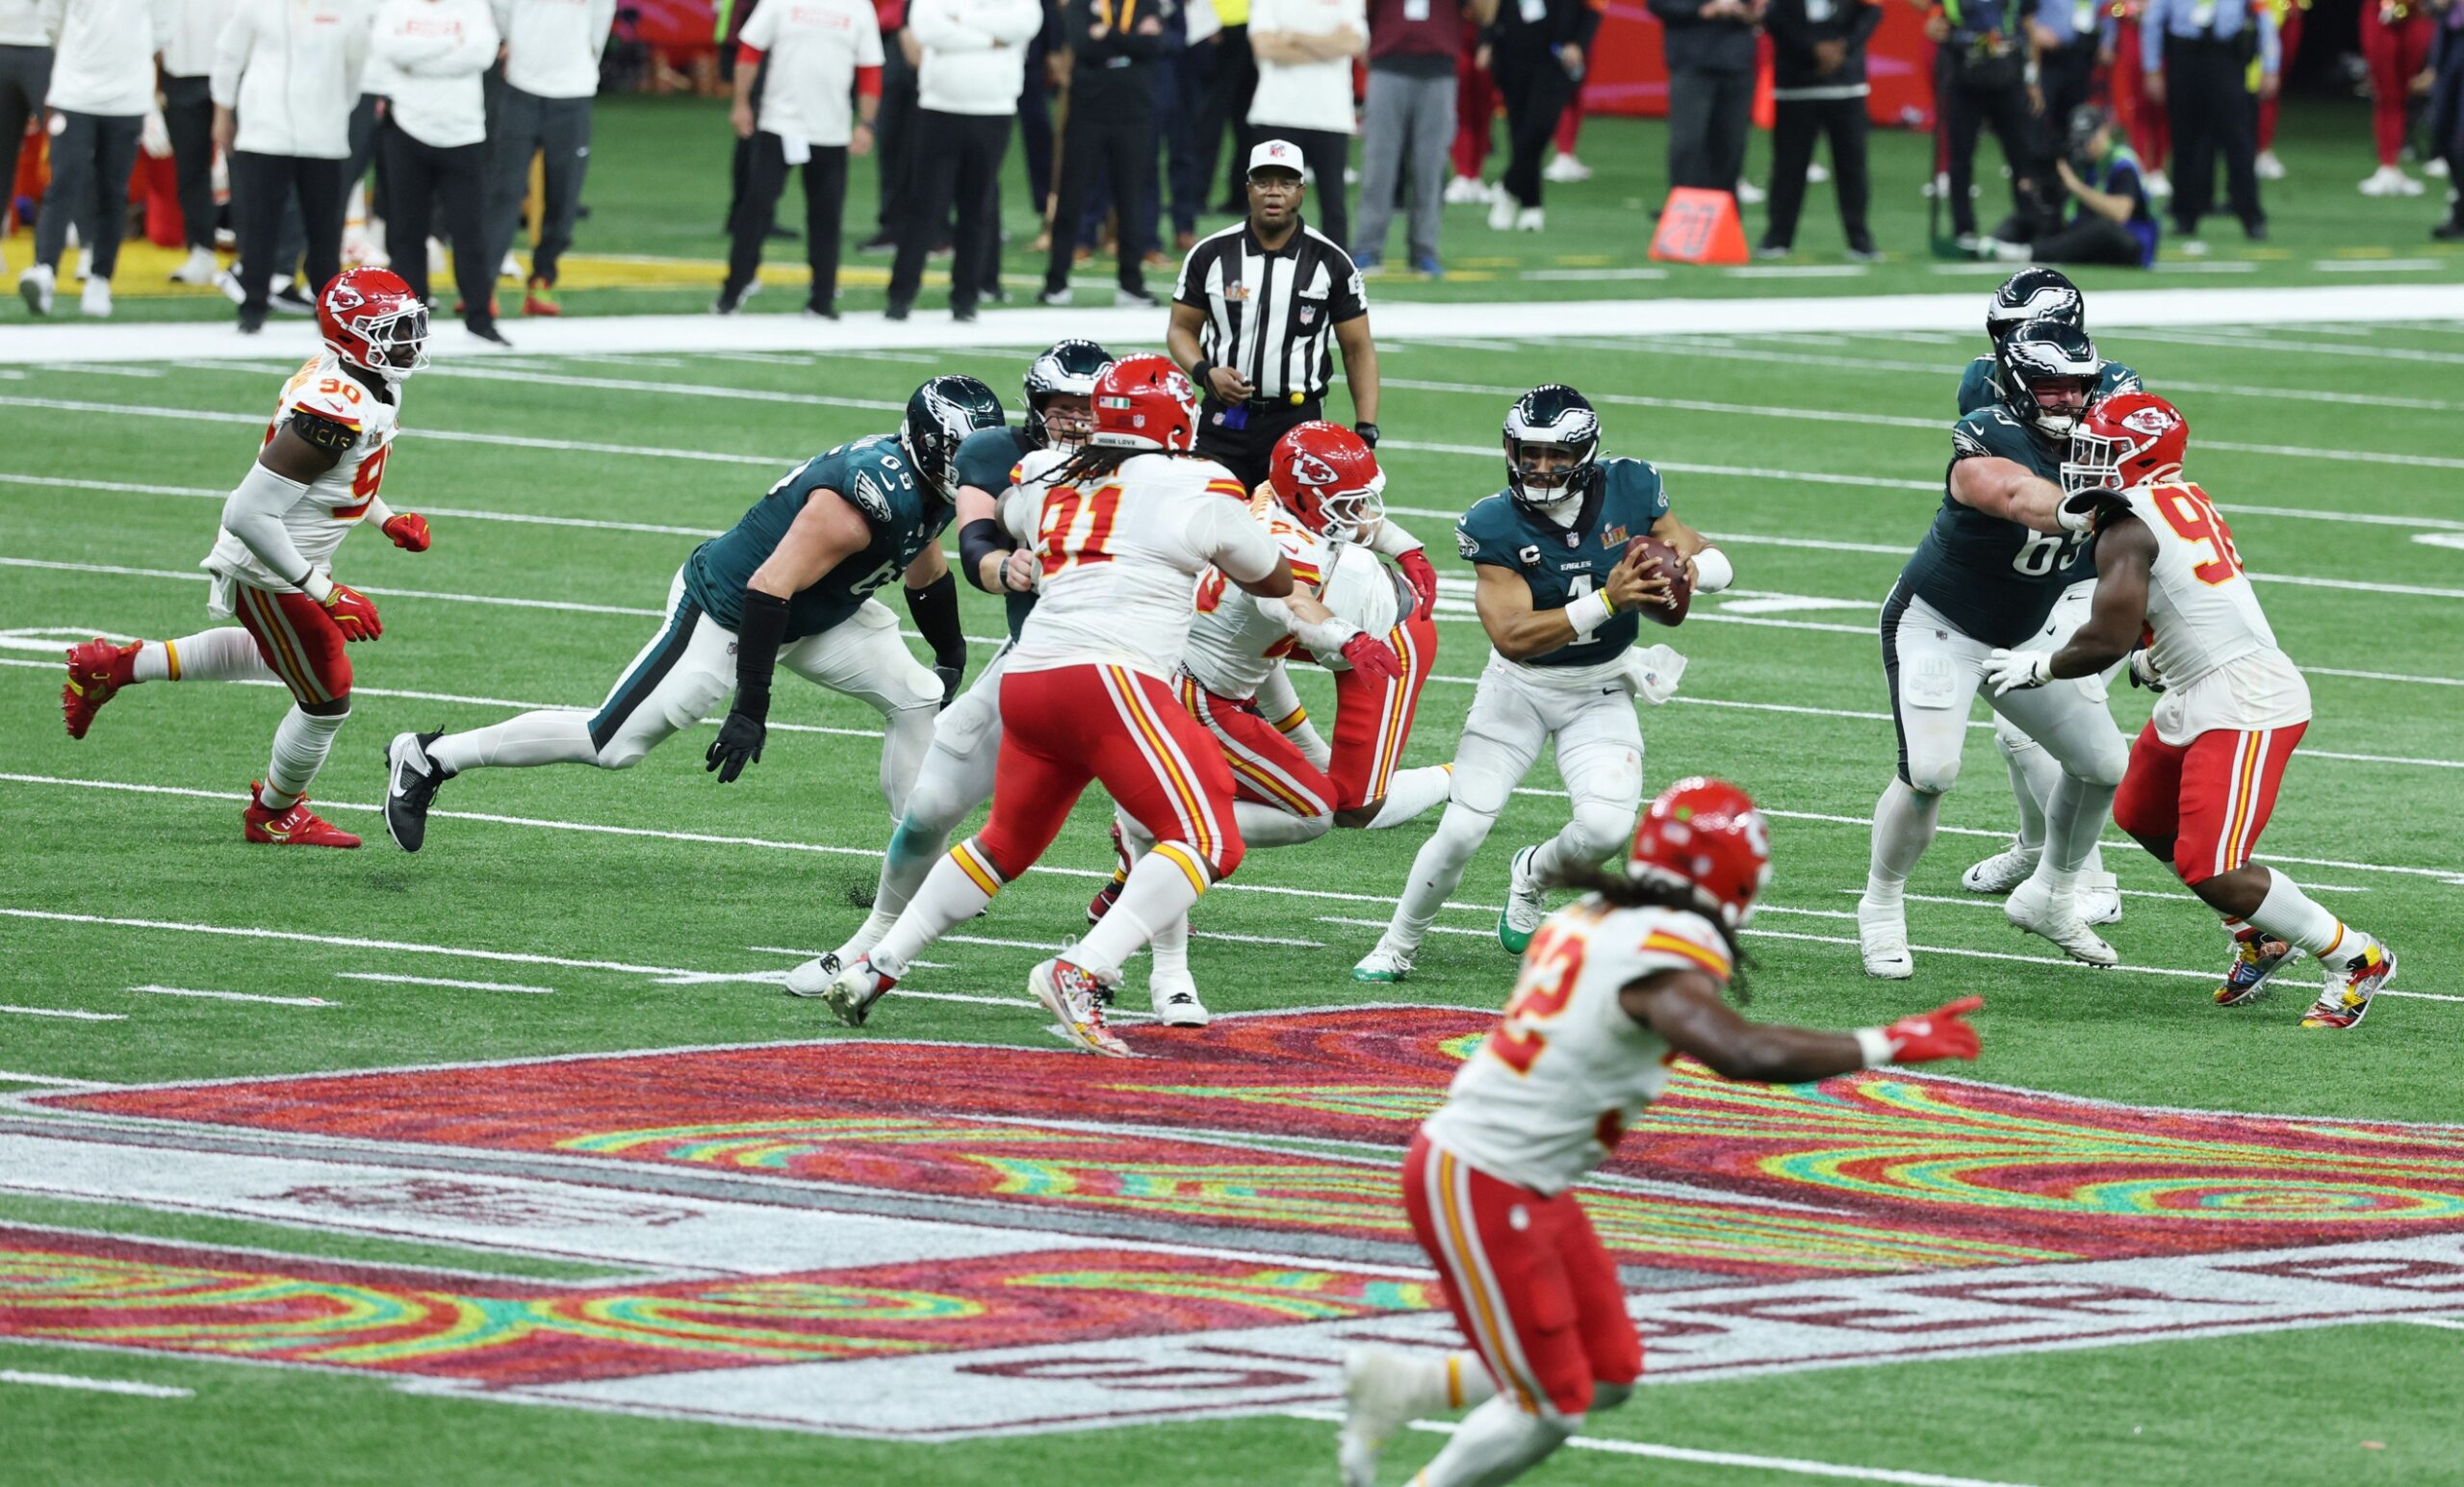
(789, 1237)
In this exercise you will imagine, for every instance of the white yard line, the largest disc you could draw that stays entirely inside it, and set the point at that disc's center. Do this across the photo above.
(236, 996)
(61, 1012)
(9, 1076)
(445, 980)
(95, 1385)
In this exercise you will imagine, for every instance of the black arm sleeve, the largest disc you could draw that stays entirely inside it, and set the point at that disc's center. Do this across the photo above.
(977, 540)
(935, 608)
(758, 636)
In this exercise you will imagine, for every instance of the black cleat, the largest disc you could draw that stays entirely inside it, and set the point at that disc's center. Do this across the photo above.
(411, 778)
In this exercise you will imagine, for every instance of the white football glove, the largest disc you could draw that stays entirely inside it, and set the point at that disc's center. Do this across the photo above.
(2143, 671)
(2007, 671)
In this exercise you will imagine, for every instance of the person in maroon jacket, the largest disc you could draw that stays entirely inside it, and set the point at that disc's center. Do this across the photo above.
(1414, 48)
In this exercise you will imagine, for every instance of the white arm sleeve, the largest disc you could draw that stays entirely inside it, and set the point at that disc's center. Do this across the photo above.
(1236, 543)
(253, 514)
(1392, 541)
(1712, 571)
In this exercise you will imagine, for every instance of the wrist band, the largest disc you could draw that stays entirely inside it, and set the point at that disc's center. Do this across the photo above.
(1589, 612)
(316, 587)
(1201, 372)
(1712, 571)
(1876, 1046)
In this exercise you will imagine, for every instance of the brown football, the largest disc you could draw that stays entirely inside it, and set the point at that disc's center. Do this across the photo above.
(1681, 595)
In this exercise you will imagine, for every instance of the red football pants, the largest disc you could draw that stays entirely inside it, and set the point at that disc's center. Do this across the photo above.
(299, 639)
(2213, 797)
(2288, 32)
(2395, 55)
(1527, 1281)
(1373, 718)
(1475, 106)
(1266, 768)
(1063, 728)
(2150, 128)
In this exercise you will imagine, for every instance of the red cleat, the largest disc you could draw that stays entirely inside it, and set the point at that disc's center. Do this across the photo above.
(539, 297)
(292, 826)
(97, 672)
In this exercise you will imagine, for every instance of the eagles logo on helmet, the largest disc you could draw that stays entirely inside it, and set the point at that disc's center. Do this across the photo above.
(2034, 293)
(940, 414)
(2049, 372)
(1550, 415)
(1068, 370)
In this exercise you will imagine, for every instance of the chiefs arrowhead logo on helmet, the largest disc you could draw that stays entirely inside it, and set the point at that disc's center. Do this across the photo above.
(2126, 441)
(2151, 420)
(1327, 478)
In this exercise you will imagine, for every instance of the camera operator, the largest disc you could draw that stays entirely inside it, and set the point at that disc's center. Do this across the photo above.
(2111, 221)
(1988, 85)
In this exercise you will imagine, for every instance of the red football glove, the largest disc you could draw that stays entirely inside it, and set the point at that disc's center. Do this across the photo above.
(1940, 1033)
(1421, 577)
(409, 531)
(1370, 656)
(354, 613)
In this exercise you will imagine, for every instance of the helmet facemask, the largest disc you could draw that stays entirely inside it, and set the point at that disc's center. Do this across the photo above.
(391, 345)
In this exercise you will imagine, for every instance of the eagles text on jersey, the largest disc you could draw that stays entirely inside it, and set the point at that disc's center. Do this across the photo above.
(1563, 563)
(874, 476)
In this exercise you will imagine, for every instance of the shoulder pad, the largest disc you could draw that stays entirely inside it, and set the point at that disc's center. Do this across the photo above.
(322, 430)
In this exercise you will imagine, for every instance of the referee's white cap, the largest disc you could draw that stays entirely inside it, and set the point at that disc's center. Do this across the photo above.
(1276, 155)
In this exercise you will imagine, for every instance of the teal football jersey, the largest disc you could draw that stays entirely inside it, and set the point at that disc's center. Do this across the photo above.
(1995, 580)
(984, 462)
(874, 476)
(1981, 385)
(1561, 564)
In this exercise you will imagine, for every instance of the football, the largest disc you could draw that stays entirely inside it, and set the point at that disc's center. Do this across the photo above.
(1682, 594)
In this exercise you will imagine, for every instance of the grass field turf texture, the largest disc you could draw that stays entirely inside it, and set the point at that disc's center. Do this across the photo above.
(653, 904)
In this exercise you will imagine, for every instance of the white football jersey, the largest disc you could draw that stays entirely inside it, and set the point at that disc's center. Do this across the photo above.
(1237, 637)
(2211, 642)
(1548, 1095)
(333, 503)
(1119, 558)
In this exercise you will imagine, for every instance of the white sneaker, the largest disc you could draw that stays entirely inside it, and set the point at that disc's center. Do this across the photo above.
(35, 287)
(1882, 939)
(1466, 191)
(815, 976)
(95, 301)
(2156, 184)
(229, 281)
(1817, 173)
(1175, 998)
(1530, 219)
(1936, 189)
(2033, 908)
(2001, 872)
(1502, 209)
(1565, 171)
(2390, 181)
(2268, 168)
(2099, 898)
(1377, 1406)
(1527, 904)
(436, 265)
(2436, 169)
(199, 268)
(1749, 195)
(511, 268)
(1385, 965)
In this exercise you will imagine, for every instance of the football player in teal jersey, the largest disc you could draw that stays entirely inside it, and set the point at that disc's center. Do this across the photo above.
(1987, 574)
(790, 584)
(2042, 294)
(1560, 601)
(956, 773)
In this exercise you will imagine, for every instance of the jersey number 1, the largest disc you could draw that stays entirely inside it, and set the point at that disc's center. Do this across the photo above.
(1550, 970)
(1074, 528)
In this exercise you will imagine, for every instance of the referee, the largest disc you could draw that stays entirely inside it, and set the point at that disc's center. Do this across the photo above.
(1250, 319)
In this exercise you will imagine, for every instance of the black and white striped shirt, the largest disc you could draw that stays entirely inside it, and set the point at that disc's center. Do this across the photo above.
(1269, 315)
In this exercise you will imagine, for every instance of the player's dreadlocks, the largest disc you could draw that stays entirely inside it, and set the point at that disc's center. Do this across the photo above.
(1091, 462)
(1627, 890)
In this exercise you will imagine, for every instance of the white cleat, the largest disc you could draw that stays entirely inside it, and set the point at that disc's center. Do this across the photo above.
(1465, 190)
(2156, 184)
(36, 287)
(1384, 964)
(1882, 939)
(1075, 998)
(1527, 904)
(2390, 181)
(2033, 908)
(2099, 898)
(853, 991)
(2001, 872)
(1175, 1001)
(815, 976)
(94, 300)
(1749, 195)
(1376, 1407)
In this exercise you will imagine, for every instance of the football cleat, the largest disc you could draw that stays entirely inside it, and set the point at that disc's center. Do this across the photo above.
(1378, 1404)
(1074, 996)
(2349, 987)
(1110, 893)
(815, 976)
(2256, 956)
(853, 991)
(1526, 905)
(2001, 872)
(2099, 898)
(1385, 965)
(292, 826)
(1882, 939)
(97, 670)
(2033, 908)
(1175, 1001)
(411, 778)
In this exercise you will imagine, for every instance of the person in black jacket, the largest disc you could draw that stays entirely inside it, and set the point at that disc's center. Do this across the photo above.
(1710, 88)
(1111, 130)
(1535, 56)
(1818, 87)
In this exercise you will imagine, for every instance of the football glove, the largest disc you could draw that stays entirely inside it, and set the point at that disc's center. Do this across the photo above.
(739, 744)
(951, 676)
(1940, 1033)
(408, 530)
(2143, 671)
(353, 614)
(1421, 575)
(1370, 656)
(2007, 671)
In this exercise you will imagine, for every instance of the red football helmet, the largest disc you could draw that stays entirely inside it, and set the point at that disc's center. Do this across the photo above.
(2125, 442)
(1327, 478)
(1144, 402)
(1705, 834)
(372, 320)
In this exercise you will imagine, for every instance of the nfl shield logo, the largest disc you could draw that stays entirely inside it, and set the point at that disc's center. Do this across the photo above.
(1308, 316)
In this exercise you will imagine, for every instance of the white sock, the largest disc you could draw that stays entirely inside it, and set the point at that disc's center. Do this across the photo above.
(1437, 871)
(1904, 822)
(1158, 892)
(921, 840)
(227, 654)
(1170, 946)
(300, 743)
(907, 736)
(1271, 826)
(1495, 1443)
(548, 737)
(2293, 916)
(867, 934)
(2034, 775)
(2072, 817)
(950, 896)
(1409, 792)
(1438, 1382)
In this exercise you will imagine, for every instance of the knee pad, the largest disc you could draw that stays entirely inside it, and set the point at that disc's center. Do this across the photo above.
(934, 803)
(1478, 792)
(1933, 777)
(623, 751)
(1600, 827)
(1460, 832)
(2103, 765)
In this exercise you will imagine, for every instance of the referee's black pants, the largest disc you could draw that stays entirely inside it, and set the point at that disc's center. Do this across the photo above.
(957, 160)
(432, 184)
(765, 181)
(2208, 102)
(1245, 450)
(1119, 151)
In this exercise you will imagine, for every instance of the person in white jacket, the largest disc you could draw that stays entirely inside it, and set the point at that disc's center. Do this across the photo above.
(187, 117)
(286, 78)
(432, 146)
(1304, 50)
(810, 57)
(975, 65)
(102, 88)
(551, 50)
